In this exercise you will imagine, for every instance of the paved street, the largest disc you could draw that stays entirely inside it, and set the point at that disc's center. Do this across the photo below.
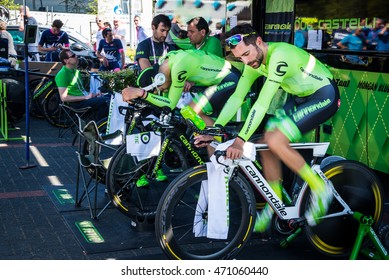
(36, 226)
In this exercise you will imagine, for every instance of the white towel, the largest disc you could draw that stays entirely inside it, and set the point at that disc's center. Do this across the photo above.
(213, 194)
(200, 224)
(213, 198)
(115, 119)
(143, 145)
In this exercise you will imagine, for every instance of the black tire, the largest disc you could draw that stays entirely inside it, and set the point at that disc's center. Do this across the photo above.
(123, 172)
(35, 104)
(360, 188)
(42, 87)
(52, 109)
(176, 211)
(16, 100)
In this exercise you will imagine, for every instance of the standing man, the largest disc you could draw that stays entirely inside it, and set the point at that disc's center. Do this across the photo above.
(119, 32)
(314, 98)
(98, 36)
(198, 33)
(32, 47)
(72, 91)
(110, 52)
(150, 50)
(140, 31)
(53, 40)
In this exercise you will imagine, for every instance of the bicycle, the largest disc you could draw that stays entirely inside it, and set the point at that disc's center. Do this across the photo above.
(124, 170)
(355, 188)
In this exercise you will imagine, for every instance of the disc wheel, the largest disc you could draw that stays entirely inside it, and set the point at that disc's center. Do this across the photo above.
(360, 188)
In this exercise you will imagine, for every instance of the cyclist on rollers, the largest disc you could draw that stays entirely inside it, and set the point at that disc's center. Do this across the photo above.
(196, 67)
(200, 68)
(314, 98)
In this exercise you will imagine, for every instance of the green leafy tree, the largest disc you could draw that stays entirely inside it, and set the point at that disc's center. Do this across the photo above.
(92, 7)
(9, 4)
(74, 6)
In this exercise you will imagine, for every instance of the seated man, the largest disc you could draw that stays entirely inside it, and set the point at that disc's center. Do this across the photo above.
(110, 51)
(72, 91)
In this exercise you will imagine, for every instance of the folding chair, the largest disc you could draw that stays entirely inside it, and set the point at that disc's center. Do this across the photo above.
(91, 160)
(68, 120)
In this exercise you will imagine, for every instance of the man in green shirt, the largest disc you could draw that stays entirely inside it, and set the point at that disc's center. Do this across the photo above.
(72, 91)
(198, 34)
(314, 98)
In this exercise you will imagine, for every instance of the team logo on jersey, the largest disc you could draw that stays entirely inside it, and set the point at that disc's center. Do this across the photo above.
(279, 70)
(181, 76)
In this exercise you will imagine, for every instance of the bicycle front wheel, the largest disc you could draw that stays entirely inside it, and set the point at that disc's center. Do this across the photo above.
(360, 188)
(174, 221)
(122, 175)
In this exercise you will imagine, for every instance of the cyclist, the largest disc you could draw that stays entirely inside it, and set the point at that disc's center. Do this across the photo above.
(216, 74)
(72, 91)
(110, 52)
(53, 40)
(218, 77)
(314, 98)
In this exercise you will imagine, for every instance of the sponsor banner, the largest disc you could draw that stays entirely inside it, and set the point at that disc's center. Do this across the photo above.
(360, 129)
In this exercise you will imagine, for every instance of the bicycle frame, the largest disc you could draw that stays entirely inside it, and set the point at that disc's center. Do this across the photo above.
(173, 134)
(47, 85)
(287, 212)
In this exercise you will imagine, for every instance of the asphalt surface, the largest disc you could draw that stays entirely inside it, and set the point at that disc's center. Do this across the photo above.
(33, 226)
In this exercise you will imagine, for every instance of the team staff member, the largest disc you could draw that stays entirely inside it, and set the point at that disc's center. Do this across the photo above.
(198, 34)
(150, 50)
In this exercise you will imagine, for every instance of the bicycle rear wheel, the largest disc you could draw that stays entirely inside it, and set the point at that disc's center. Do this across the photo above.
(35, 100)
(51, 109)
(124, 171)
(174, 221)
(360, 188)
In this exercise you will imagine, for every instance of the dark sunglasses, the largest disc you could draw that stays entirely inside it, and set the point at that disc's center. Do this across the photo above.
(72, 56)
(237, 38)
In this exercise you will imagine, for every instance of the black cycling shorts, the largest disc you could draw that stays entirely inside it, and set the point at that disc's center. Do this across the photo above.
(311, 111)
(218, 95)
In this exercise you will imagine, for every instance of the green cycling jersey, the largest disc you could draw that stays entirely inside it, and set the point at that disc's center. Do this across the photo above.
(291, 68)
(194, 66)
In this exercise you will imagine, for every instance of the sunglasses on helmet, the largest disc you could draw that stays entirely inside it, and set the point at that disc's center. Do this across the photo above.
(236, 39)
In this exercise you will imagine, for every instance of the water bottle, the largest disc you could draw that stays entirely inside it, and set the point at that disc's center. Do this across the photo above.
(188, 113)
